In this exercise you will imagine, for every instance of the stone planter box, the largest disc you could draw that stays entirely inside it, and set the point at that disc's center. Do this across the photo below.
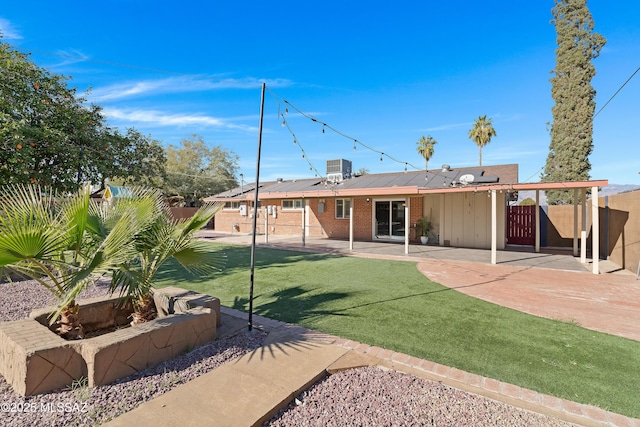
(35, 360)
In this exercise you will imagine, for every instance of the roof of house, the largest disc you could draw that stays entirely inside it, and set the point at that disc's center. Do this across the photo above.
(116, 192)
(373, 184)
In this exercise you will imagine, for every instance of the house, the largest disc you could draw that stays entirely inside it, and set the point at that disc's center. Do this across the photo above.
(468, 207)
(116, 192)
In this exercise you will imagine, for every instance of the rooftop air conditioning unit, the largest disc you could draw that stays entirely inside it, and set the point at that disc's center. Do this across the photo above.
(335, 177)
(338, 170)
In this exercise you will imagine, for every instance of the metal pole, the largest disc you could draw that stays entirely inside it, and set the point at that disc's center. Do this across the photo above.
(255, 208)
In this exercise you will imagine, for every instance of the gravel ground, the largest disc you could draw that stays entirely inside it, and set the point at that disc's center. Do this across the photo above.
(376, 397)
(359, 397)
(80, 405)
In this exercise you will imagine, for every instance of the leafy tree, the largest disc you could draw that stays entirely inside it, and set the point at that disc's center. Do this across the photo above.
(42, 124)
(481, 133)
(140, 159)
(49, 136)
(571, 89)
(195, 171)
(362, 171)
(426, 148)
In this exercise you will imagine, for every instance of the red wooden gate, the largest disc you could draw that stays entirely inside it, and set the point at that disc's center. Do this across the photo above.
(521, 225)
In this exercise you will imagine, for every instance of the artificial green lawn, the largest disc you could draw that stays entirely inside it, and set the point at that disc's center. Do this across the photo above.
(391, 305)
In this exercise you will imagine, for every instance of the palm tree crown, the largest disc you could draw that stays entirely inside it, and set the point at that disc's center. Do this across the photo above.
(425, 148)
(481, 133)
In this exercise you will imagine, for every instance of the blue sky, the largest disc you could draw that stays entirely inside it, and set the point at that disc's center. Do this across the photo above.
(381, 73)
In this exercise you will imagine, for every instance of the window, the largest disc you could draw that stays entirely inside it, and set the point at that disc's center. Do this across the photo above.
(292, 204)
(231, 205)
(343, 206)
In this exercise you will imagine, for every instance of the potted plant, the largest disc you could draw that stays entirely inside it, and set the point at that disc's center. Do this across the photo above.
(424, 226)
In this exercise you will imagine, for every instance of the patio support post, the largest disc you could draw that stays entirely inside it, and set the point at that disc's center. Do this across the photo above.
(304, 223)
(351, 225)
(537, 216)
(494, 228)
(575, 222)
(266, 225)
(406, 225)
(583, 233)
(442, 219)
(595, 231)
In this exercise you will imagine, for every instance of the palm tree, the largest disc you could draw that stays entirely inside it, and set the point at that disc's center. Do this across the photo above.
(164, 238)
(63, 243)
(481, 133)
(66, 242)
(426, 148)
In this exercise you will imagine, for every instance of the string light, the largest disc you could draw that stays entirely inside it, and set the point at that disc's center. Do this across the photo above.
(323, 130)
(296, 142)
(325, 125)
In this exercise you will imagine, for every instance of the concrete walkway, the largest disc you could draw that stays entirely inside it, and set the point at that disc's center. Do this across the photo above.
(250, 390)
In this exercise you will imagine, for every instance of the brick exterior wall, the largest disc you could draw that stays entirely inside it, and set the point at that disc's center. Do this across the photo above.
(286, 221)
(322, 219)
(230, 221)
(416, 207)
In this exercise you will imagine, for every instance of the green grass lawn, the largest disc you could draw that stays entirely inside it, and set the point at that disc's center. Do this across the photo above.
(391, 305)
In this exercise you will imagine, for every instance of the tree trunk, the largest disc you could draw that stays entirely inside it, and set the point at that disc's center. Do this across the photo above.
(69, 325)
(144, 310)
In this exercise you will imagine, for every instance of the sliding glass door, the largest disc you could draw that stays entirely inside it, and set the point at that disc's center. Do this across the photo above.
(389, 219)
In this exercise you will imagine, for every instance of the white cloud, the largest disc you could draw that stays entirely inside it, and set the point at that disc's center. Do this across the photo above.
(178, 85)
(447, 127)
(496, 117)
(69, 58)
(8, 31)
(158, 118)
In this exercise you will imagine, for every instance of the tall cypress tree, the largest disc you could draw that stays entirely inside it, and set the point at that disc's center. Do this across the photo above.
(572, 127)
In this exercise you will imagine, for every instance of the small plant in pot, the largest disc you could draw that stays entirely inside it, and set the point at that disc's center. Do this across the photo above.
(424, 226)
